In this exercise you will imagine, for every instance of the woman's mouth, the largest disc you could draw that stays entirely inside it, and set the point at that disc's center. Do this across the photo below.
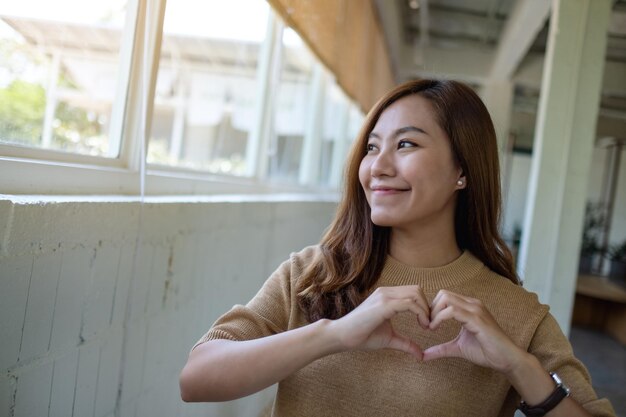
(381, 190)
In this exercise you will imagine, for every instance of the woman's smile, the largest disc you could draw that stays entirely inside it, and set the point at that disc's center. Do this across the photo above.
(381, 190)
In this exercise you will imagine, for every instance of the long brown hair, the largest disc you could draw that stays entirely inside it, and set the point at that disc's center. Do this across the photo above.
(353, 250)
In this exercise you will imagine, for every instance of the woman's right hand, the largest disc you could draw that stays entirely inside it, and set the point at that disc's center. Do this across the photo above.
(368, 327)
(223, 370)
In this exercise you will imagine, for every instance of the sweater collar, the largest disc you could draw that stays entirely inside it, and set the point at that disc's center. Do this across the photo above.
(456, 272)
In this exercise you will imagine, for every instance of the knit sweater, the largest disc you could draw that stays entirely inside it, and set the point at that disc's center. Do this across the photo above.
(392, 383)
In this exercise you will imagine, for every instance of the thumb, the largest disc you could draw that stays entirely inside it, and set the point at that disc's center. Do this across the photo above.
(404, 344)
(445, 350)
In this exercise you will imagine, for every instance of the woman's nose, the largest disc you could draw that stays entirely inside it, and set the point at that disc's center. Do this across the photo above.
(383, 165)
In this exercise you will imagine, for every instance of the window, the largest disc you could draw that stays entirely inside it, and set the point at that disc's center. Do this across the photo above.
(205, 94)
(60, 75)
(335, 137)
(239, 102)
(292, 107)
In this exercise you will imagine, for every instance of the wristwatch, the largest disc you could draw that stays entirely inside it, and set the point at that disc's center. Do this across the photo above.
(560, 392)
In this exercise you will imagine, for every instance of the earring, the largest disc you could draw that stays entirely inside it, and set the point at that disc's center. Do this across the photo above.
(459, 182)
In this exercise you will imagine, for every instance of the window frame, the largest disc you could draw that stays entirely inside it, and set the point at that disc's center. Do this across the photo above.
(117, 111)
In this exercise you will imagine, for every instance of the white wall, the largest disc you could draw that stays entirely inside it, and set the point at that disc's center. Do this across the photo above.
(516, 198)
(100, 302)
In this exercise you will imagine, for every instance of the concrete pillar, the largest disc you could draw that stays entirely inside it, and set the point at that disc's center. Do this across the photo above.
(564, 139)
(498, 97)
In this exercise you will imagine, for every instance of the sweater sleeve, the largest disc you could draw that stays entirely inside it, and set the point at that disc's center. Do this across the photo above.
(554, 351)
(266, 314)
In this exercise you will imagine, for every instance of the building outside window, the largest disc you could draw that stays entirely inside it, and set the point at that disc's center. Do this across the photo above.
(60, 75)
(292, 106)
(205, 94)
(237, 96)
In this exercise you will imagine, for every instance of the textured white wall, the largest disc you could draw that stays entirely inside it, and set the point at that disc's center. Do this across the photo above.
(100, 302)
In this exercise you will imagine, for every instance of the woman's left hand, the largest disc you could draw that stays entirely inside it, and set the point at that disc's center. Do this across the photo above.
(480, 341)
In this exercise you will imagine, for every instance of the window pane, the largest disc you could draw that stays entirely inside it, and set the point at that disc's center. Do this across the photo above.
(335, 129)
(291, 107)
(59, 67)
(355, 121)
(205, 95)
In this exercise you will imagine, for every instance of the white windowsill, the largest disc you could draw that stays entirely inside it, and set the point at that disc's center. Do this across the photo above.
(28, 179)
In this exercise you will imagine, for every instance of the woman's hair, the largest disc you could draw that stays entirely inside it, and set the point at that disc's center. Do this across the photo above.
(353, 250)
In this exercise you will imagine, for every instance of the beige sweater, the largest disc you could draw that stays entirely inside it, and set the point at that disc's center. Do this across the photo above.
(391, 383)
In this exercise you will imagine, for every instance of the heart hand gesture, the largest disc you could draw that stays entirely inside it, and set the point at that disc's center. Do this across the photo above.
(368, 327)
(480, 341)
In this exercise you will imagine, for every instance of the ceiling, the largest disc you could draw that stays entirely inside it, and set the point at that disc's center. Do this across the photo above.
(481, 39)
(455, 22)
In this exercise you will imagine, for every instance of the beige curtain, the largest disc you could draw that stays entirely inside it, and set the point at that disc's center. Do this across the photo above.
(347, 37)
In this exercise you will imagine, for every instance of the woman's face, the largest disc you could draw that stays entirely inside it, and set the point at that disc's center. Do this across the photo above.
(409, 174)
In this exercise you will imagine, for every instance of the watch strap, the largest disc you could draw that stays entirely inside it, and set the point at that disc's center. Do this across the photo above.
(560, 392)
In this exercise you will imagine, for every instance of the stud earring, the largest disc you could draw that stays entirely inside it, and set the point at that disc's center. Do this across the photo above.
(459, 182)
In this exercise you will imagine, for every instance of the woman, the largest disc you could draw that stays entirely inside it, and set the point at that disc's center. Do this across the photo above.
(410, 304)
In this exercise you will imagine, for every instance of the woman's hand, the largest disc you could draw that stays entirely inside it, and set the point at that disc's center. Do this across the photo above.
(480, 341)
(368, 327)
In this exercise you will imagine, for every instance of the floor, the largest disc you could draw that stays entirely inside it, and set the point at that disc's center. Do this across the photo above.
(606, 360)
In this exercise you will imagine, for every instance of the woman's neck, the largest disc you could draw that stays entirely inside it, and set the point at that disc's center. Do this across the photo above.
(425, 248)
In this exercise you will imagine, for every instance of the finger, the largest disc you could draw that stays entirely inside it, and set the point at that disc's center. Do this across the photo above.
(422, 302)
(446, 350)
(455, 312)
(404, 344)
(405, 291)
(441, 301)
(449, 294)
(423, 319)
(409, 304)
(422, 299)
(444, 299)
(416, 293)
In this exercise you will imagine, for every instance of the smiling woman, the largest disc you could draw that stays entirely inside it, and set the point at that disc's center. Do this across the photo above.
(409, 305)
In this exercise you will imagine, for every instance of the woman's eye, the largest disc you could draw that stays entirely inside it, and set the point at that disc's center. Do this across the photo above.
(370, 147)
(406, 144)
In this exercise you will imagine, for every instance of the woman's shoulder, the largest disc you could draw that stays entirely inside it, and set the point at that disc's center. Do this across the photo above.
(301, 259)
(517, 310)
(307, 254)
